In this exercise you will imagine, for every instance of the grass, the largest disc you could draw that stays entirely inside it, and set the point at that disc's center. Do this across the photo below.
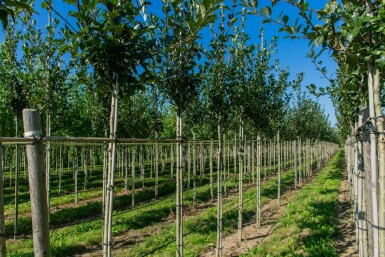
(308, 225)
(66, 241)
(200, 229)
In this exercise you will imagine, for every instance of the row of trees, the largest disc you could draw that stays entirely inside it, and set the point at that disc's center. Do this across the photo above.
(238, 78)
(154, 71)
(352, 32)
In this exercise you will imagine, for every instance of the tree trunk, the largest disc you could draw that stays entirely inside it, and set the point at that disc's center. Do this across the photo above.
(156, 170)
(258, 193)
(373, 165)
(48, 162)
(60, 169)
(2, 223)
(295, 164)
(279, 170)
(141, 156)
(219, 191)
(16, 215)
(107, 243)
(194, 174)
(76, 175)
(211, 172)
(179, 188)
(381, 159)
(240, 182)
(133, 176)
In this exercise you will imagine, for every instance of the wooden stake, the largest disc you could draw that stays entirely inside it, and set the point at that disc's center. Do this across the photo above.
(37, 184)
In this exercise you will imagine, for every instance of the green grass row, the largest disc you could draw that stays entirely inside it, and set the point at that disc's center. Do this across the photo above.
(200, 230)
(66, 241)
(93, 207)
(308, 226)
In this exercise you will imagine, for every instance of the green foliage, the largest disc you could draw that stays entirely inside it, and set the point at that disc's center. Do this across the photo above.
(10, 8)
(352, 31)
(178, 77)
(113, 41)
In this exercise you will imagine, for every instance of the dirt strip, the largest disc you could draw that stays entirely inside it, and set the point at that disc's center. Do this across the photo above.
(346, 241)
(251, 234)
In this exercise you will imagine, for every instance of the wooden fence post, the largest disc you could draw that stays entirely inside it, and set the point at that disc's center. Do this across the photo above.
(37, 184)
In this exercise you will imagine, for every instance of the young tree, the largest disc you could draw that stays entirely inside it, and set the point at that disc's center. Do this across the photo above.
(111, 39)
(179, 77)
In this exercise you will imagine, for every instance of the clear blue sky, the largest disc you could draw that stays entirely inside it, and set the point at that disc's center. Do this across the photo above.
(291, 53)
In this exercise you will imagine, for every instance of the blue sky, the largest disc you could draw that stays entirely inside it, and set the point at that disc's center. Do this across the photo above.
(291, 53)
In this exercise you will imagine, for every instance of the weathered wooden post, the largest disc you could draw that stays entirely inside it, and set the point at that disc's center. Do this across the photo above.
(37, 183)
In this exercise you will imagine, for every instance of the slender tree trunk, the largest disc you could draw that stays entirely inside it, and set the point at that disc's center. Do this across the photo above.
(258, 193)
(219, 190)
(85, 168)
(179, 188)
(240, 182)
(16, 215)
(366, 195)
(211, 172)
(279, 170)
(60, 169)
(249, 163)
(141, 165)
(107, 243)
(133, 176)
(48, 162)
(300, 165)
(126, 169)
(223, 161)
(189, 167)
(194, 174)
(381, 159)
(295, 164)
(156, 170)
(76, 175)
(2, 223)
(373, 165)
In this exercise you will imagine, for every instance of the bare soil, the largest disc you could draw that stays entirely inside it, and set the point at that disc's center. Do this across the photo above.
(345, 243)
(252, 235)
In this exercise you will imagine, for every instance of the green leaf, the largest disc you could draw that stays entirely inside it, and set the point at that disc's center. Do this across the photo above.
(285, 19)
(266, 11)
(319, 40)
(4, 18)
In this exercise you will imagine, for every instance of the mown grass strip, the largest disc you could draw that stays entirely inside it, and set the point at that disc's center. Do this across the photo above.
(200, 230)
(68, 240)
(308, 225)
